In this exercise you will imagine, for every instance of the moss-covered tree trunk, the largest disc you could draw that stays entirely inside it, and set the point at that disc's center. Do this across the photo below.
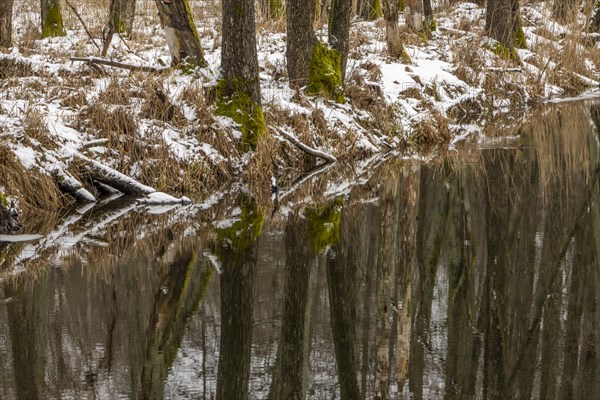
(239, 89)
(6, 7)
(182, 36)
(392, 30)
(565, 10)
(499, 25)
(339, 30)
(413, 12)
(430, 25)
(52, 22)
(120, 20)
(369, 9)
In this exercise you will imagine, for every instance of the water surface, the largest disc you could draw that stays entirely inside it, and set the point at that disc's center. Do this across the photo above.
(475, 275)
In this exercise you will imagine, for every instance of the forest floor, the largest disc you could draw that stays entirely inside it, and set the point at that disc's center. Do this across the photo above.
(160, 129)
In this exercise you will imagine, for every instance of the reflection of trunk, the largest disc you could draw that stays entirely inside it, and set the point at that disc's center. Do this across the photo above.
(462, 357)
(409, 187)
(385, 284)
(291, 367)
(237, 304)
(432, 217)
(28, 323)
(176, 298)
(372, 229)
(341, 277)
(237, 250)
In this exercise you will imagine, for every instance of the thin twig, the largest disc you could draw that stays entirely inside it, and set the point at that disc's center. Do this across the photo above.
(308, 150)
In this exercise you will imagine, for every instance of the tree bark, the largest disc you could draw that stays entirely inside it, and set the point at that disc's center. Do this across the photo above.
(413, 12)
(339, 29)
(300, 41)
(6, 7)
(392, 31)
(500, 22)
(120, 20)
(52, 23)
(182, 37)
(428, 11)
(239, 89)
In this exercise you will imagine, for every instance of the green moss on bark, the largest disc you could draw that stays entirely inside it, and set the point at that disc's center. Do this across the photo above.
(275, 9)
(234, 101)
(3, 200)
(245, 231)
(375, 12)
(520, 41)
(507, 53)
(53, 24)
(325, 73)
(324, 225)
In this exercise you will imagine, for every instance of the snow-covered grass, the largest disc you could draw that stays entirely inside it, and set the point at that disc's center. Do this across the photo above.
(159, 128)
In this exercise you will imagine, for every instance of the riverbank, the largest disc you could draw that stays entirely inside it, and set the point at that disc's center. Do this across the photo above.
(159, 127)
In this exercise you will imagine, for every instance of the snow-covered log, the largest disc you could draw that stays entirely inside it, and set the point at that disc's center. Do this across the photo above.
(72, 186)
(113, 178)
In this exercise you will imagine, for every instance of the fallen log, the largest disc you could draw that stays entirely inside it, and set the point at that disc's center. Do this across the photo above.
(72, 186)
(117, 64)
(113, 178)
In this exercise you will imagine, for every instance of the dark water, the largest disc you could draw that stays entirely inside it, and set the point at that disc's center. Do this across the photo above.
(476, 275)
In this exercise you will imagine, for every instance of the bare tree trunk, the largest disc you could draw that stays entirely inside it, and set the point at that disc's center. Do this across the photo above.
(300, 40)
(52, 23)
(499, 25)
(392, 30)
(430, 25)
(565, 10)
(413, 12)
(6, 7)
(369, 9)
(182, 37)
(339, 29)
(239, 90)
(120, 20)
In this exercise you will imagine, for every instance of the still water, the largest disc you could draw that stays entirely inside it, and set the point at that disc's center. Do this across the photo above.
(475, 275)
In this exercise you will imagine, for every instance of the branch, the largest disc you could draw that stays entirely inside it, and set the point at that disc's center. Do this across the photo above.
(308, 150)
(116, 64)
(82, 23)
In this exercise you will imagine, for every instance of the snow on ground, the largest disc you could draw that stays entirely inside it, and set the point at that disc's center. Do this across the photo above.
(52, 108)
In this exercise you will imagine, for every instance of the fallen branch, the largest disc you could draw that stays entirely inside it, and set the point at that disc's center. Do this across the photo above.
(116, 64)
(496, 69)
(308, 150)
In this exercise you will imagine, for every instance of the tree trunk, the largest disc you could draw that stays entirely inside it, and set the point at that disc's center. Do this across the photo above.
(239, 90)
(428, 11)
(120, 20)
(6, 7)
(182, 37)
(339, 29)
(413, 12)
(369, 9)
(392, 30)
(300, 41)
(499, 25)
(52, 23)
(565, 10)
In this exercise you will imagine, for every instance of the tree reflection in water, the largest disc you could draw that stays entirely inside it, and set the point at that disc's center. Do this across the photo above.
(473, 276)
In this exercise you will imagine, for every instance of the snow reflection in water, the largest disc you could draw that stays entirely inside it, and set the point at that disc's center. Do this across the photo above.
(474, 276)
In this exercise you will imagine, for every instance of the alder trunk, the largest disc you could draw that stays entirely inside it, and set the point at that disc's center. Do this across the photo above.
(52, 22)
(339, 29)
(300, 40)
